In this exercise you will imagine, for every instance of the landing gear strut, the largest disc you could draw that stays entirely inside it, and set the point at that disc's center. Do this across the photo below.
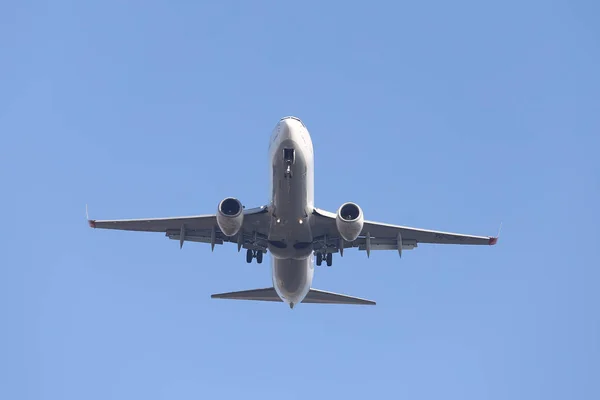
(250, 254)
(288, 157)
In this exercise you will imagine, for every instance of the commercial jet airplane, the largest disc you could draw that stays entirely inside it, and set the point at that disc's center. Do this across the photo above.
(291, 228)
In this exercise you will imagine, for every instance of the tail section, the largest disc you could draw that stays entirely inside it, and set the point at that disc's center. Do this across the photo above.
(266, 294)
(314, 296)
(323, 297)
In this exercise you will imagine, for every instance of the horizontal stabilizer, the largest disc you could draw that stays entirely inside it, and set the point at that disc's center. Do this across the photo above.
(323, 297)
(314, 296)
(266, 294)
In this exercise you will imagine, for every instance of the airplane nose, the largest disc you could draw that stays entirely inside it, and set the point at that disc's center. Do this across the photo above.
(289, 129)
(285, 127)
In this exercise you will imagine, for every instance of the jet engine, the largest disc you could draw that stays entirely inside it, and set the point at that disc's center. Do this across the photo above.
(230, 216)
(349, 221)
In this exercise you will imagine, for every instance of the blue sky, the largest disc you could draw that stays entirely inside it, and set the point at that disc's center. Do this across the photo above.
(445, 115)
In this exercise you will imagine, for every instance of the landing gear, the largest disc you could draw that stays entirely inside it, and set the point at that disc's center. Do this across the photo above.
(328, 259)
(288, 158)
(250, 254)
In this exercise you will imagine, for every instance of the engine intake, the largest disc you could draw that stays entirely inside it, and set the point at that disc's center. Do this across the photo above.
(230, 216)
(349, 221)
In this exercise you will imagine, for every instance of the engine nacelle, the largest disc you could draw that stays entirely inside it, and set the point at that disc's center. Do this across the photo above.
(230, 216)
(349, 221)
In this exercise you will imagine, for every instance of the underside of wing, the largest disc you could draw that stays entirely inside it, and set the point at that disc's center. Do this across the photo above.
(381, 236)
(199, 228)
(156, 224)
(378, 229)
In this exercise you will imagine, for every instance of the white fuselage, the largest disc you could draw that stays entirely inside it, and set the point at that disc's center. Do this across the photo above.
(292, 202)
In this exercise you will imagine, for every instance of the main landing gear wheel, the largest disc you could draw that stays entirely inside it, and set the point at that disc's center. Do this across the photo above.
(250, 254)
(329, 259)
(319, 259)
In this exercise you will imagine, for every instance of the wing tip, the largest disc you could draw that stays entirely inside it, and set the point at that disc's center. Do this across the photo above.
(494, 239)
(91, 222)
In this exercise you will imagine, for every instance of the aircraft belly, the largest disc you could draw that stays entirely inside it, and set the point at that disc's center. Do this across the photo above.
(292, 278)
(290, 234)
(290, 192)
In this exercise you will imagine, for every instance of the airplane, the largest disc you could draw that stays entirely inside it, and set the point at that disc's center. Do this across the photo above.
(295, 232)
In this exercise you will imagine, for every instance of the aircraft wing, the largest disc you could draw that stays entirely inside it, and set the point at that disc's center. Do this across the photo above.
(380, 236)
(199, 228)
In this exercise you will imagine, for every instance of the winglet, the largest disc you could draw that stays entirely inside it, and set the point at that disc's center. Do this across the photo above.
(494, 240)
(91, 222)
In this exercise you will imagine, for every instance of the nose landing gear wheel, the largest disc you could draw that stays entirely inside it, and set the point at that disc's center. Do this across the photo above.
(329, 259)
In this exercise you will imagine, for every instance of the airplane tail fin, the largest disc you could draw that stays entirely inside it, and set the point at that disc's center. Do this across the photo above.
(314, 296)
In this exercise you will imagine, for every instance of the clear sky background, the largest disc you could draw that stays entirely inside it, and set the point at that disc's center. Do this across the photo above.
(454, 115)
